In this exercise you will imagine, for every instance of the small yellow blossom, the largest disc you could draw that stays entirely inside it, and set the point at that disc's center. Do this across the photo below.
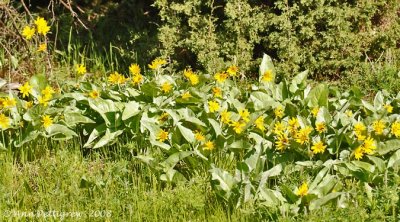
(221, 77)
(186, 95)
(267, 76)
(217, 92)
(199, 136)
(315, 111)
(157, 63)
(359, 152)
(166, 87)
(28, 32)
(369, 145)
(47, 121)
(349, 113)
(244, 114)
(48, 92)
(41, 25)
(137, 79)
(94, 94)
(378, 126)
(293, 125)
(116, 78)
(209, 145)
(26, 89)
(303, 190)
(80, 69)
(260, 123)
(238, 126)
(4, 121)
(162, 136)
(42, 47)
(278, 112)
(388, 108)
(318, 147)
(225, 117)
(232, 70)
(43, 101)
(279, 127)
(164, 117)
(213, 106)
(282, 141)
(134, 69)
(395, 130)
(303, 135)
(320, 127)
(9, 102)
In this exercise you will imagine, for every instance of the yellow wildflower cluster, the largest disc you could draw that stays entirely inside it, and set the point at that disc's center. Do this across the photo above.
(137, 78)
(25, 89)
(359, 131)
(278, 111)
(116, 78)
(191, 76)
(47, 121)
(318, 147)
(303, 135)
(367, 147)
(220, 77)
(4, 121)
(378, 127)
(41, 27)
(157, 63)
(232, 70)
(213, 106)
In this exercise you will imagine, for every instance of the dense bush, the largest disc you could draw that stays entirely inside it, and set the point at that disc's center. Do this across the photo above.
(330, 38)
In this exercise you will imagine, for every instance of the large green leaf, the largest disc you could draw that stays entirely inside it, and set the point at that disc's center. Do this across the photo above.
(394, 159)
(131, 109)
(186, 133)
(266, 64)
(108, 110)
(96, 132)
(60, 132)
(388, 146)
(262, 101)
(216, 126)
(73, 118)
(318, 96)
(298, 80)
(108, 137)
(318, 203)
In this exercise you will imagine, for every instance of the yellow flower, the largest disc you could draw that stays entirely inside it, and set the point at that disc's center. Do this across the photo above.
(369, 145)
(137, 79)
(302, 136)
(282, 141)
(213, 106)
(278, 112)
(47, 121)
(359, 152)
(244, 114)
(166, 87)
(41, 25)
(157, 63)
(303, 190)
(378, 126)
(134, 69)
(194, 79)
(163, 118)
(293, 125)
(187, 72)
(162, 136)
(80, 69)
(349, 113)
(232, 70)
(199, 136)
(267, 76)
(43, 100)
(48, 92)
(4, 121)
(320, 127)
(279, 127)
(9, 102)
(42, 47)
(315, 111)
(26, 89)
(208, 145)
(260, 123)
(359, 129)
(225, 117)
(116, 78)
(318, 147)
(186, 95)
(217, 92)
(238, 126)
(388, 108)
(94, 94)
(28, 104)
(28, 32)
(396, 129)
(221, 77)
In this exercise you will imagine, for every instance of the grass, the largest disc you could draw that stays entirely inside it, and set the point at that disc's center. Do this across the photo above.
(101, 187)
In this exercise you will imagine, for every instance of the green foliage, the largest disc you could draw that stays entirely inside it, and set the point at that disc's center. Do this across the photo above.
(332, 39)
